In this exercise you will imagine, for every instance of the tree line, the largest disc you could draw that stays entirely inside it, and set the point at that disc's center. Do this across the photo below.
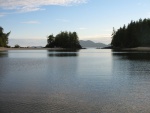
(63, 40)
(136, 33)
(3, 38)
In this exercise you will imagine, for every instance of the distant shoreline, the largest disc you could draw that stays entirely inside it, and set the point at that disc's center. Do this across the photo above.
(5, 49)
(138, 49)
(129, 49)
(53, 49)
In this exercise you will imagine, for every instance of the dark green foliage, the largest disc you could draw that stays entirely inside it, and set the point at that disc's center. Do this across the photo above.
(50, 41)
(134, 35)
(16, 46)
(3, 38)
(64, 40)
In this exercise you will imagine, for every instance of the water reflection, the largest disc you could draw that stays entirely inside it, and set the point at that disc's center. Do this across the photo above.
(131, 64)
(64, 50)
(62, 53)
(3, 54)
(95, 81)
(27, 53)
(3, 68)
(132, 55)
(132, 74)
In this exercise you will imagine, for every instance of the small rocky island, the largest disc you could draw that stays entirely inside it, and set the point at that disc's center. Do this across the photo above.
(68, 40)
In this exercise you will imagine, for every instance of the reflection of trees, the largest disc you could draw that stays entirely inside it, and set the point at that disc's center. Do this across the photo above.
(3, 64)
(62, 70)
(3, 54)
(64, 50)
(63, 53)
(131, 63)
(132, 55)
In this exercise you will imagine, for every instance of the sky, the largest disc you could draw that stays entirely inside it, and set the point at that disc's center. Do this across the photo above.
(91, 19)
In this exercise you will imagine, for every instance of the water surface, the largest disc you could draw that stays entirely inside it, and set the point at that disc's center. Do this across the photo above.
(85, 81)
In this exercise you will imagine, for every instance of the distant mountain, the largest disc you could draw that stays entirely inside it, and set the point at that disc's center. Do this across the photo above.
(43, 42)
(90, 43)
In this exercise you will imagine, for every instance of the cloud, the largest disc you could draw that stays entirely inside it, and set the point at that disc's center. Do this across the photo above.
(3, 14)
(31, 22)
(35, 5)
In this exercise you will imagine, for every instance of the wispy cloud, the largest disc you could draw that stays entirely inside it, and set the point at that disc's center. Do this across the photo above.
(34, 5)
(31, 22)
(3, 14)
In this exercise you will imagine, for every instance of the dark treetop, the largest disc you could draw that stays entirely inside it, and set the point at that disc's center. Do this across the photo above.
(3, 38)
(64, 40)
(135, 34)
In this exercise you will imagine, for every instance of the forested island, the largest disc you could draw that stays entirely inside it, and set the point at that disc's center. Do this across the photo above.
(135, 34)
(64, 40)
(3, 38)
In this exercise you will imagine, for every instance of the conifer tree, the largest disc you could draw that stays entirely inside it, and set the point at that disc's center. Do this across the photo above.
(3, 38)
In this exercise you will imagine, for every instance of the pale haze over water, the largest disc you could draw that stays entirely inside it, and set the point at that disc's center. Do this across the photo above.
(27, 42)
(41, 42)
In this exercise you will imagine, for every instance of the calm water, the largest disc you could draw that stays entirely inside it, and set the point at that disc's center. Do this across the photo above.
(85, 81)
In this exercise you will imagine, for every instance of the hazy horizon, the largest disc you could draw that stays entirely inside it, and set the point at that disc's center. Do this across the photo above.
(36, 42)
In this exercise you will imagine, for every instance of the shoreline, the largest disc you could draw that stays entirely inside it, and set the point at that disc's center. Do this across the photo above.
(53, 49)
(137, 49)
(144, 49)
(5, 49)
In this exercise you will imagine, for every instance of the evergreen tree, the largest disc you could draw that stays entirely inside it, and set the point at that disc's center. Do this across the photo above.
(50, 40)
(3, 38)
(136, 33)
